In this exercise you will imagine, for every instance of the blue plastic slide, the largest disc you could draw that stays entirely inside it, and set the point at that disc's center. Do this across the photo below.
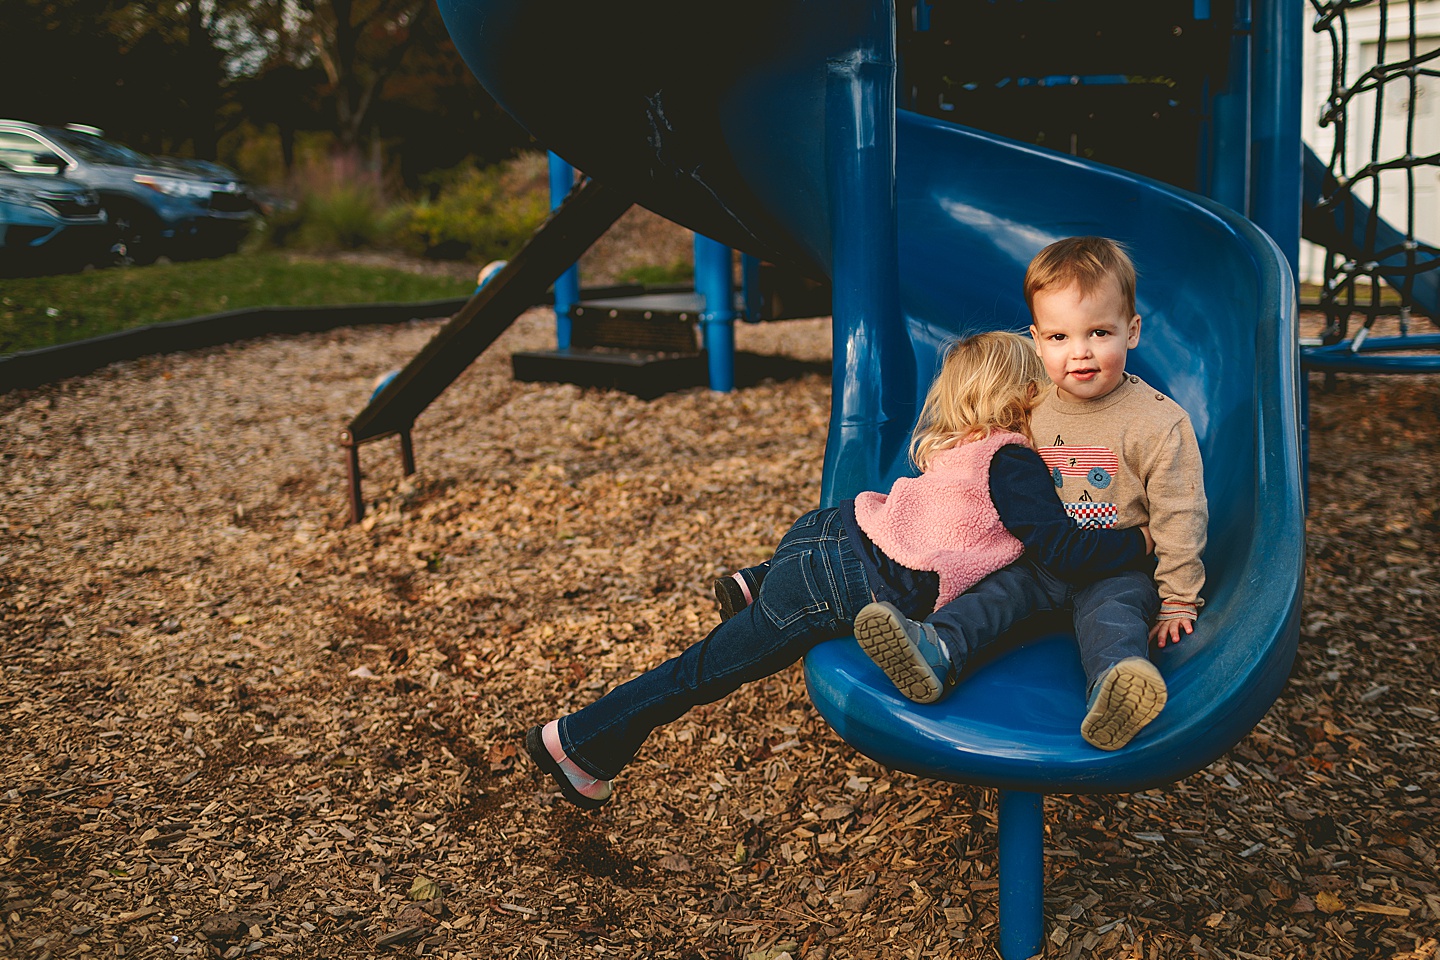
(769, 125)
(1218, 336)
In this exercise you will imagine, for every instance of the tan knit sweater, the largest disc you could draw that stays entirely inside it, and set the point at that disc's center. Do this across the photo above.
(1127, 459)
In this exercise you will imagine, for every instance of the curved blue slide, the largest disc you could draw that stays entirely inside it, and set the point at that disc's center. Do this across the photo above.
(1218, 336)
(769, 125)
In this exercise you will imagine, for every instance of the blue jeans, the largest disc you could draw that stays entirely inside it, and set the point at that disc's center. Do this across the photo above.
(1112, 617)
(812, 591)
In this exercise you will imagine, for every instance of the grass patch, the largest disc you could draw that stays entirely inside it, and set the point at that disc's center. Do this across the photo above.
(677, 272)
(42, 311)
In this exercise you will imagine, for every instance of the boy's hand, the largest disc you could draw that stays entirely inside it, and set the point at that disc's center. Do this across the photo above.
(1170, 631)
(1149, 540)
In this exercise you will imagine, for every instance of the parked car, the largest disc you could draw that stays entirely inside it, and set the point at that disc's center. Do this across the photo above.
(180, 208)
(47, 224)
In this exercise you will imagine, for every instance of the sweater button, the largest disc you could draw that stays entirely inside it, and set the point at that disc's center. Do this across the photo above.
(1134, 379)
(1159, 396)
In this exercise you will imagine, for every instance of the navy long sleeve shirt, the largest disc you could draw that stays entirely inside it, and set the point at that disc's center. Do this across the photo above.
(1024, 496)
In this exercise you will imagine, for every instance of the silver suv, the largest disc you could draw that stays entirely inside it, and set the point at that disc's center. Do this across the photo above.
(182, 209)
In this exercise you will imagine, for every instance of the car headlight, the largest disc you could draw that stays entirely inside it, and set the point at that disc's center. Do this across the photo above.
(174, 186)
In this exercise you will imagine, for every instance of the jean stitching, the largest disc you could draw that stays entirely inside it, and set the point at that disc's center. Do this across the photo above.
(816, 605)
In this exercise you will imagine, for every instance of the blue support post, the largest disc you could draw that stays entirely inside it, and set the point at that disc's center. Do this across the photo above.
(751, 296)
(874, 404)
(567, 288)
(1278, 157)
(715, 282)
(1022, 874)
(1227, 176)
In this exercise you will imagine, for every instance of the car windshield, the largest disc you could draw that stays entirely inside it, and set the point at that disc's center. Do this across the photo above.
(96, 150)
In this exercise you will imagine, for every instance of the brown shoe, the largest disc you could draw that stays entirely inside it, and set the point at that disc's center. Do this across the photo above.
(1126, 698)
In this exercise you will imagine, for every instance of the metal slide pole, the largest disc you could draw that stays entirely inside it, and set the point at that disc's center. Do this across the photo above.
(714, 280)
(1278, 158)
(751, 299)
(1229, 162)
(567, 288)
(872, 406)
(1022, 874)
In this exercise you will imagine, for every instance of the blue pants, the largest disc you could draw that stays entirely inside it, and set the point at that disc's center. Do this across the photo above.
(1112, 617)
(812, 591)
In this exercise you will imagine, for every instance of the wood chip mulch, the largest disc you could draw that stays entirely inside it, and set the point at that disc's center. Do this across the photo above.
(233, 725)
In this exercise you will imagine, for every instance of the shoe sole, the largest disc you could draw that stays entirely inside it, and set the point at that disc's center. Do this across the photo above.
(883, 638)
(730, 598)
(535, 746)
(1130, 696)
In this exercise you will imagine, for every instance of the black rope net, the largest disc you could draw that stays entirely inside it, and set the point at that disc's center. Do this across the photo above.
(1390, 109)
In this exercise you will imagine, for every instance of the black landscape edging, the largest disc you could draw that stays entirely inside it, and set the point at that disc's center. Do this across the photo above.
(34, 368)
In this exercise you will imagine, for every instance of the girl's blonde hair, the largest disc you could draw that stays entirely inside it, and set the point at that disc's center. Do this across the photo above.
(987, 382)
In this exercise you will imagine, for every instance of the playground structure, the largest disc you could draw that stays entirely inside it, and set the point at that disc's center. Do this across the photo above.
(797, 135)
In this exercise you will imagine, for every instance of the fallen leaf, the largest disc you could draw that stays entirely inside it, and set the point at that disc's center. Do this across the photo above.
(424, 889)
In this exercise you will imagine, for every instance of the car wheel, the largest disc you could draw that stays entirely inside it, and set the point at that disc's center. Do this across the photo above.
(137, 236)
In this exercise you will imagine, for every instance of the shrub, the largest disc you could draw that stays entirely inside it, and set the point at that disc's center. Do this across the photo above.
(330, 204)
(480, 214)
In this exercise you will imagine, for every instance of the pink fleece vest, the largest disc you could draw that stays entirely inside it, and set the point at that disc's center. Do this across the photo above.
(944, 519)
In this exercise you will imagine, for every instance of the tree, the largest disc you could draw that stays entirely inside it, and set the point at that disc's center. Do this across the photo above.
(362, 45)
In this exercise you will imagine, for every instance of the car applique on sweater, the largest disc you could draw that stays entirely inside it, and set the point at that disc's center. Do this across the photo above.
(1095, 466)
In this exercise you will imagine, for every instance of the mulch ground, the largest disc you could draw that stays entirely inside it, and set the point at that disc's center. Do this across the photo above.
(234, 725)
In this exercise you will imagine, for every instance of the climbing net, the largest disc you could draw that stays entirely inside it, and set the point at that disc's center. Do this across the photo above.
(1383, 118)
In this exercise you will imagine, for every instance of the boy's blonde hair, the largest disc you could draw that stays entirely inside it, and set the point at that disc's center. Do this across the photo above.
(1085, 262)
(987, 382)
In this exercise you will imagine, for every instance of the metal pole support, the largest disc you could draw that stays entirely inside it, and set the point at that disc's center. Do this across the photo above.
(353, 475)
(567, 288)
(715, 282)
(1022, 874)
(873, 406)
(356, 478)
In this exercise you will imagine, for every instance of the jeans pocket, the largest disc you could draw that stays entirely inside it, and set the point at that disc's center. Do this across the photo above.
(790, 592)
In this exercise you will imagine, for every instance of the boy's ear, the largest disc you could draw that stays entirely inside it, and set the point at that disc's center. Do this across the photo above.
(1035, 337)
(1133, 339)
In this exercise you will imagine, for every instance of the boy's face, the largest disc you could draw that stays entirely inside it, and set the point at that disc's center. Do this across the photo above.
(1082, 341)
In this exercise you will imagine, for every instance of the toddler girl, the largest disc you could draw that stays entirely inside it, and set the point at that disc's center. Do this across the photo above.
(982, 499)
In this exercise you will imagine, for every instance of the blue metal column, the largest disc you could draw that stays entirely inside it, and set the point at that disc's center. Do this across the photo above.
(1022, 874)
(1278, 191)
(715, 282)
(751, 296)
(1228, 161)
(1278, 159)
(567, 288)
(872, 406)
